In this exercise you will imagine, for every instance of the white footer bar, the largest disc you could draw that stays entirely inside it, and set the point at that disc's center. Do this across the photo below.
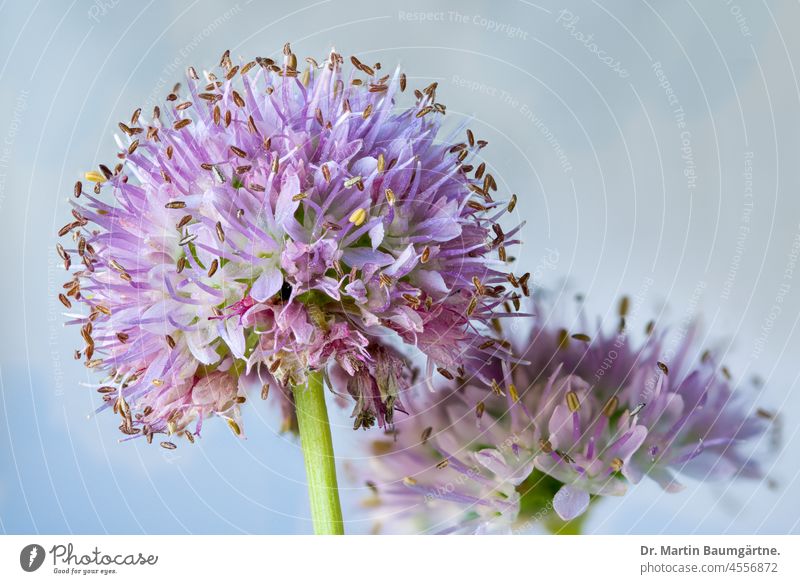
(618, 559)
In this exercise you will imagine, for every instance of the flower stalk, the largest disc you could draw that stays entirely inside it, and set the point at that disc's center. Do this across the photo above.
(315, 437)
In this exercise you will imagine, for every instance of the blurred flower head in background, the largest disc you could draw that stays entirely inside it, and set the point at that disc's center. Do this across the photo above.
(273, 219)
(584, 418)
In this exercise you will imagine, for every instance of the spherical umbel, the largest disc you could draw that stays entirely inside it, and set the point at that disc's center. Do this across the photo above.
(271, 219)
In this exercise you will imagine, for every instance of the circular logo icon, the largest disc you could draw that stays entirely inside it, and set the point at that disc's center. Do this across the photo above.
(31, 557)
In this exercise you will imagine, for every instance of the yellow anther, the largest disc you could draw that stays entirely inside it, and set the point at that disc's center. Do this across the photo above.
(234, 427)
(358, 217)
(611, 407)
(572, 401)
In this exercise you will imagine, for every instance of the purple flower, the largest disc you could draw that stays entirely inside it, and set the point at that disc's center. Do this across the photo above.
(270, 220)
(583, 418)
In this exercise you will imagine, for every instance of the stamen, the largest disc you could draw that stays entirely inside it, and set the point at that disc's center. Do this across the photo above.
(496, 389)
(94, 176)
(624, 305)
(473, 304)
(188, 238)
(358, 217)
(213, 268)
(351, 181)
(573, 403)
(512, 203)
(445, 373)
(611, 406)
(426, 433)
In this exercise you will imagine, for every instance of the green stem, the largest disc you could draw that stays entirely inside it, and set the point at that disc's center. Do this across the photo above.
(315, 437)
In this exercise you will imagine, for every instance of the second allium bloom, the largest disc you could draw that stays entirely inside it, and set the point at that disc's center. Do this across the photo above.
(585, 417)
(273, 219)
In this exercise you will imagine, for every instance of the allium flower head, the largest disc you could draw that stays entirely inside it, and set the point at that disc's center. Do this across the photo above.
(271, 219)
(583, 417)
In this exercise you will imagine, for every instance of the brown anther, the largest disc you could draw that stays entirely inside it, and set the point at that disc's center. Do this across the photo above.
(445, 373)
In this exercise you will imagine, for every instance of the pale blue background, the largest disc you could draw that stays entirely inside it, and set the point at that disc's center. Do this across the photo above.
(618, 214)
